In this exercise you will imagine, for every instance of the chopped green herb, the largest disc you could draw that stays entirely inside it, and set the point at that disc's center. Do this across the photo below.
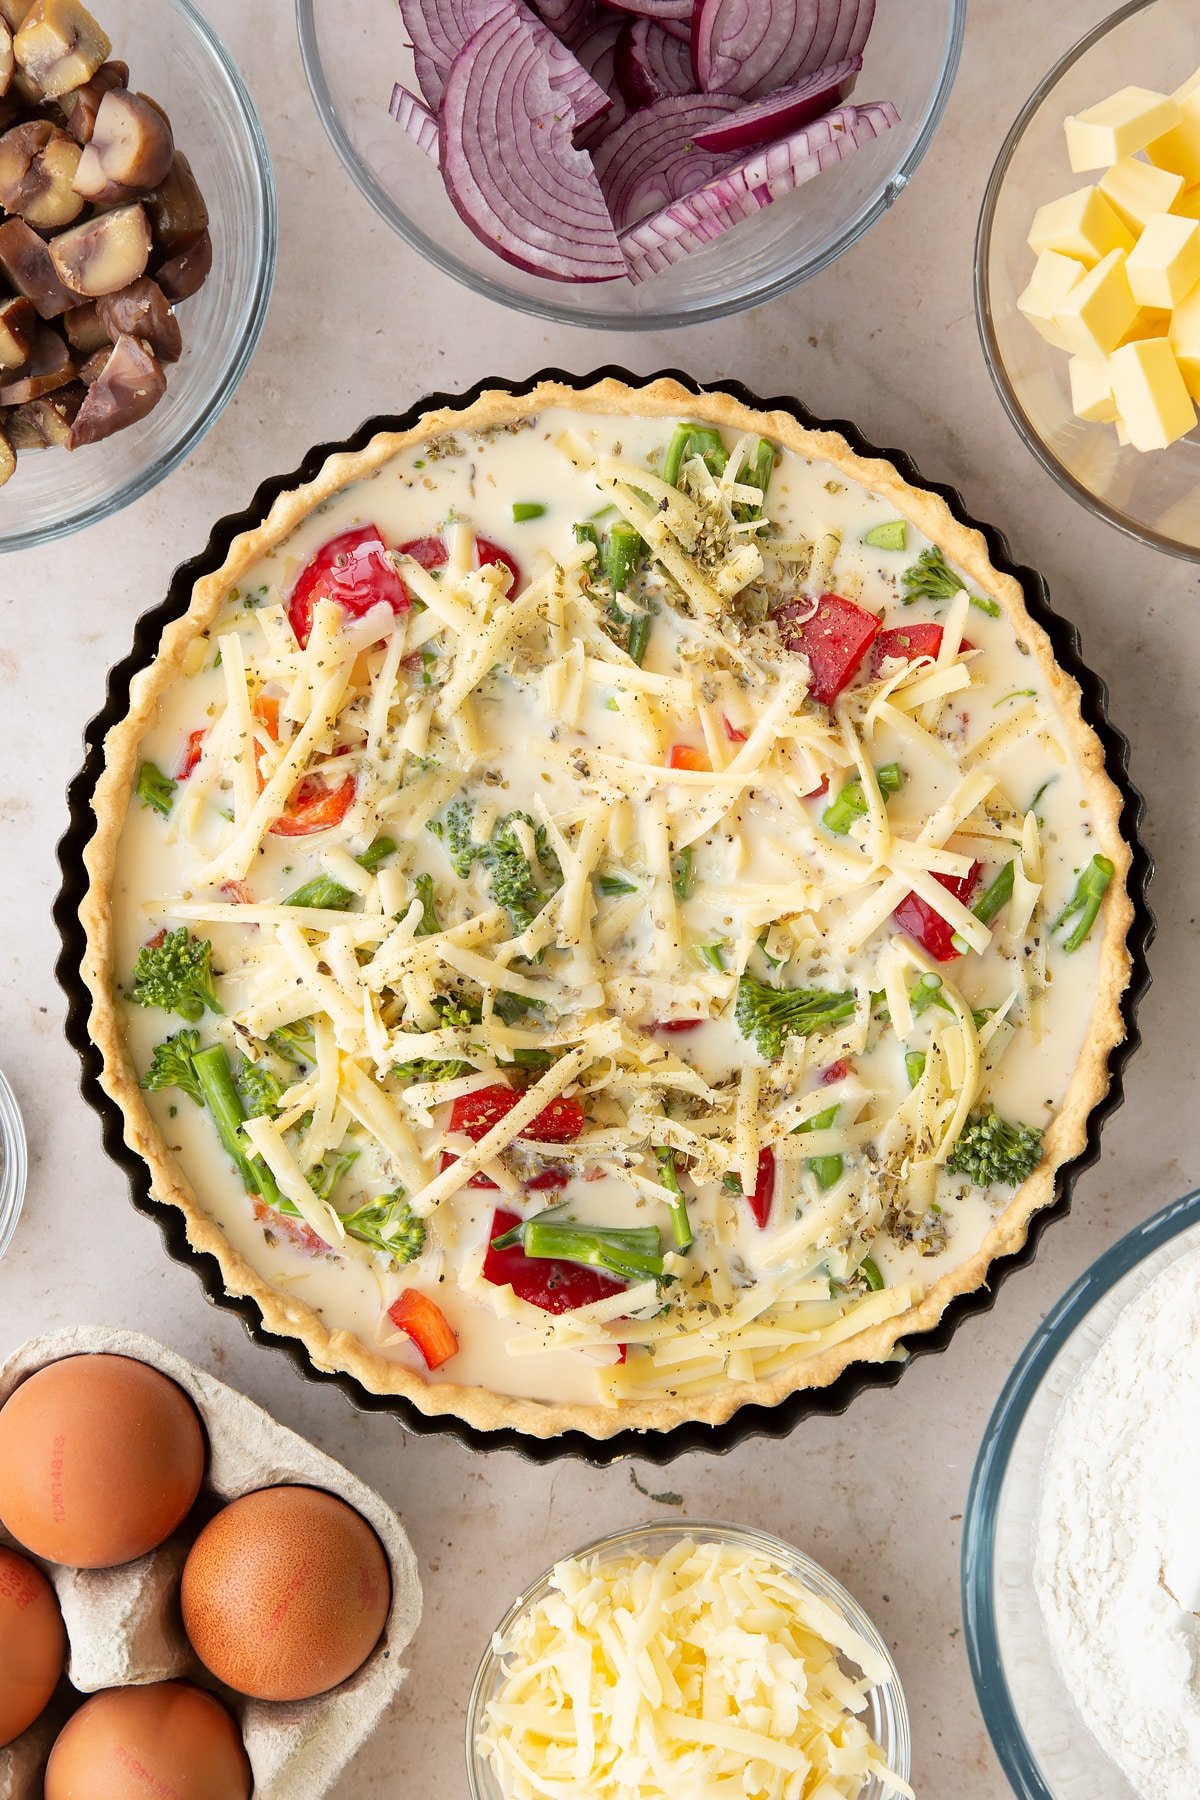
(527, 509)
(681, 880)
(154, 789)
(713, 956)
(868, 1268)
(613, 885)
(1017, 694)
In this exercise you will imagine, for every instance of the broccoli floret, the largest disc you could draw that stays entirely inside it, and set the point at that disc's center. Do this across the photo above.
(259, 1088)
(513, 882)
(388, 1224)
(771, 1015)
(294, 1043)
(932, 578)
(173, 1065)
(425, 1068)
(454, 832)
(176, 975)
(154, 789)
(324, 1176)
(991, 1150)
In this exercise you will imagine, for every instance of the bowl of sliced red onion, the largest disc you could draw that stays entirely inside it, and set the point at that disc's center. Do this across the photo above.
(633, 164)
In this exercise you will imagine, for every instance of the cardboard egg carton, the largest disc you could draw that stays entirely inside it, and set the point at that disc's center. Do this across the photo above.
(124, 1627)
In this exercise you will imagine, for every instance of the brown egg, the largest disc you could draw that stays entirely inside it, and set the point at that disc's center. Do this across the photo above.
(33, 1644)
(170, 1740)
(285, 1593)
(101, 1458)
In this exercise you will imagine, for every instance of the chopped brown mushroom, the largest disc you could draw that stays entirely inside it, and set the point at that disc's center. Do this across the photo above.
(80, 107)
(130, 384)
(49, 367)
(94, 367)
(84, 331)
(103, 254)
(8, 458)
(37, 166)
(37, 424)
(186, 272)
(59, 46)
(130, 150)
(141, 311)
(176, 208)
(13, 13)
(18, 323)
(26, 262)
(7, 59)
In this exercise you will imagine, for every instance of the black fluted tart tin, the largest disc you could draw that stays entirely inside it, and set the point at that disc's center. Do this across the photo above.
(750, 1421)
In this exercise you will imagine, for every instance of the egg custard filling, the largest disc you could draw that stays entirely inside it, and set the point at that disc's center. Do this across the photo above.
(605, 908)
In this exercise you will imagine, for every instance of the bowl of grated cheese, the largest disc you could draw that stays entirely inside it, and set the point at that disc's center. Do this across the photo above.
(668, 1660)
(1081, 1576)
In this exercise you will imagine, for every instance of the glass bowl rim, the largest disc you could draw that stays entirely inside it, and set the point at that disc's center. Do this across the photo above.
(263, 180)
(1026, 431)
(659, 319)
(991, 1467)
(787, 1555)
(14, 1163)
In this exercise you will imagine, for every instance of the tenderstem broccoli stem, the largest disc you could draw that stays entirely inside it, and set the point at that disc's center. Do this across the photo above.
(1085, 902)
(322, 891)
(622, 549)
(639, 637)
(681, 881)
(229, 1115)
(631, 1254)
(868, 1268)
(526, 509)
(996, 895)
(687, 440)
(914, 1066)
(827, 1169)
(681, 1225)
(587, 534)
(379, 852)
(851, 802)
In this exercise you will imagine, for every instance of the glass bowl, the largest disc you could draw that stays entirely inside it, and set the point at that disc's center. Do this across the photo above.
(1043, 1745)
(1154, 496)
(175, 56)
(13, 1164)
(886, 1712)
(353, 56)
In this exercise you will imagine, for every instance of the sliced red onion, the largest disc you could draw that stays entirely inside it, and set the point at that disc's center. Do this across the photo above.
(649, 64)
(652, 158)
(678, 12)
(414, 117)
(568, 19)
(856, 25)
(782, 112)
(596, 52)
(702, 216)
(752, 47)
(440, 28)
(510, 168)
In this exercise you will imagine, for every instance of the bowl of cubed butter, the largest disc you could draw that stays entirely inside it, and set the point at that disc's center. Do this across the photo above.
(1087, 276)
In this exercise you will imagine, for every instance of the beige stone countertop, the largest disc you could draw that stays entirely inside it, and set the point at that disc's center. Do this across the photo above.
(887, 338)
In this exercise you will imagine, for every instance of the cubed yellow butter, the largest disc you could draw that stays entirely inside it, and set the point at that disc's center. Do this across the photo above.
(1091, 391)
(1082, 225)
(1150, 394)
(1188, 204)
(1099, 309)
(1136, 190)
(1151, 321)
(1052, 280)
(1119, 126)
(1179, 148)
(1164, 264)
(1184, 336)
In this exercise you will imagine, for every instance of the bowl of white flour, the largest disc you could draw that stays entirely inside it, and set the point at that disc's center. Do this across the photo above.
(1081, 1552)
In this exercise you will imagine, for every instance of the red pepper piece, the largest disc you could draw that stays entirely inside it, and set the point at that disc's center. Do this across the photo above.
(732, 732)
(554, 1175)
(819, 792)
(920, 921)
(837, 1071)
(835, 639)
(314, 806)
(908, 642)
(192, 753)
(544, 1281)
(558, 1123)
(431, 553)
(354, 569)
(762, 1199)
(423, 1320)
(237, 893)
(677, 1024)
(689, 756)
(297, 1233)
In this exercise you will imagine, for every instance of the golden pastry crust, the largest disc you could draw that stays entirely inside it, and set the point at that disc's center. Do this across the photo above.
(282, 1314)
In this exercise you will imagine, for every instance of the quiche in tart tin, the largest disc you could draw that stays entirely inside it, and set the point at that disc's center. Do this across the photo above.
(605, 910)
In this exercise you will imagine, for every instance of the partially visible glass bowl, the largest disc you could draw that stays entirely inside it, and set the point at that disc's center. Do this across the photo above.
(1043, 1745)
(1154, 495)
(886, 1712)
(175, 56)
(352, 56)
(13, 1164)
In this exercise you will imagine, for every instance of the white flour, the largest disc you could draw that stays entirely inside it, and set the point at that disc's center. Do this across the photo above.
(1117, 1561)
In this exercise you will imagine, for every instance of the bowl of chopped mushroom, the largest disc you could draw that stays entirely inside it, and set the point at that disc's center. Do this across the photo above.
(137, 250)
